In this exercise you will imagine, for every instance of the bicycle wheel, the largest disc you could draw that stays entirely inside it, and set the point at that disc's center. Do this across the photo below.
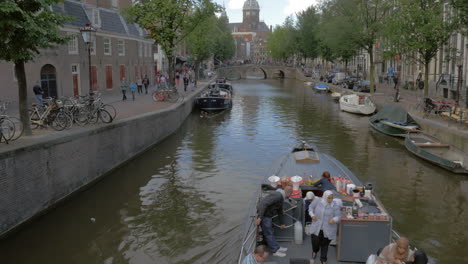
(111, 109)
(80, 116)
(105, 116)
(173, 97)
(19, 128)
(8, 128)
(93, 117)
(34, 118)
(154, 95)
(60, 121)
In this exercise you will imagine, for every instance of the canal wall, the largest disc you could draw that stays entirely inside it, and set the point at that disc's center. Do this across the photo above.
(36, 176)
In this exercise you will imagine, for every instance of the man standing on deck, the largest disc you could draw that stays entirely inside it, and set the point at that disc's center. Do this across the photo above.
(268, 207)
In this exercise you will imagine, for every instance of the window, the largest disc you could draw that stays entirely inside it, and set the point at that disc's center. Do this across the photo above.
(115, 3)
(107, 46)
(140, 49)
(247, 13)
(96, 18)
(74, 68)
(73, 45)
(121, 47)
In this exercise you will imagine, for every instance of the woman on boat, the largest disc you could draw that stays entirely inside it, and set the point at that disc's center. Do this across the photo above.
(325, 183)
(325, 214)
(396, 253)
(310, 196)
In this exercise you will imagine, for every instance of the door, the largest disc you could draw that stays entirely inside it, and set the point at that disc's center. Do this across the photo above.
(75, 80)
(122, 71)
(109, 84)
(49, 81)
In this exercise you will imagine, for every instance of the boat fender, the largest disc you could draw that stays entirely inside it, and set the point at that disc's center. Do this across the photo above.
(298, 235)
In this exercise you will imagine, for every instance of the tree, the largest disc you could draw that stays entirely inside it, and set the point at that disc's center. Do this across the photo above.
(168, 22)
(420, 27)
(25, 28)
(224, 47)
(307, 31)
(282, 43)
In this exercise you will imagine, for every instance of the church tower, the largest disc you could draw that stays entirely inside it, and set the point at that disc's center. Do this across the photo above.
(251, 15)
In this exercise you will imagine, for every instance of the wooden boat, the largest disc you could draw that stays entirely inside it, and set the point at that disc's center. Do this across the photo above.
(358, 104)
(321, 87)
(360, 234)
(215, 99)
(336, 96)
(432, 150)
(394, 121)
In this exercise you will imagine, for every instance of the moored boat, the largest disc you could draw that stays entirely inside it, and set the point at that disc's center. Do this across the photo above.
(336, 96)
(214, 99)
(321, 87)
(438, 153)
(308, 83)
(358, 104)
(364, 226)
(393, 120)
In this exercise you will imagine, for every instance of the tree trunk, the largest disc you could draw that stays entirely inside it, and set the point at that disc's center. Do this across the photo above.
(171, 70)
(372, 69)
(23, 96)
(426, 78)
(197, 70)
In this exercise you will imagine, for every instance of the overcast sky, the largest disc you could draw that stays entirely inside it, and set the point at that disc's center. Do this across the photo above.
(273, 12)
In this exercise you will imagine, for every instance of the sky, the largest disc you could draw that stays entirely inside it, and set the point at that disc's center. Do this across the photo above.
(273, 12)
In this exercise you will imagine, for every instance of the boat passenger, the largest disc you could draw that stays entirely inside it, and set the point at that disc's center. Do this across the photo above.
(325, 183)
(325, 214)
(396, 253)
(259, 255)
(268, 207)
(310, 196)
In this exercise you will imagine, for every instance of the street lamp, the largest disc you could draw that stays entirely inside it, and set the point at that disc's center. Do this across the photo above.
(459, 61)
(89, 35)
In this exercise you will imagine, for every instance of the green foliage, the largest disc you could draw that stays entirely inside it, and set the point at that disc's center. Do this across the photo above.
(201, 41)
(28, 26)
(282, 43)
(307, 32)
(224, 47)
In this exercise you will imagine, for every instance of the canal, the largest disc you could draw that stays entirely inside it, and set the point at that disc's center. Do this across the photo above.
(184, 200)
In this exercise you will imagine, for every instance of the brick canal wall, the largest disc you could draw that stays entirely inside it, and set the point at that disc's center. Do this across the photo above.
(35, 177)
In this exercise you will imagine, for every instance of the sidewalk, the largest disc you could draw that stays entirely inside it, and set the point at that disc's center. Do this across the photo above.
(143, 103)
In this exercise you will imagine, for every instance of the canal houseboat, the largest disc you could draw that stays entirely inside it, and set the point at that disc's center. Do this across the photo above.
(364, 226)
(217, 98)
(432, 150)
(357, 104)
(394, 121)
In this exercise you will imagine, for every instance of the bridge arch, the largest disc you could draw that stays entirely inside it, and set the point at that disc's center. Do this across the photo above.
(255, 73)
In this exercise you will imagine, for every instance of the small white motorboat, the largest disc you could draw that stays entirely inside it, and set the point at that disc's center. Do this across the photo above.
(309, 83)
(358, 104)
(336, 96)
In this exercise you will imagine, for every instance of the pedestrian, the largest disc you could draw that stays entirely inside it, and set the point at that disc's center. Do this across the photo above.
(395, 81)
(139, 84)
(177, 78)
(186, 82)
(133, 88)
(325, 183)
(268, 207)
(259, 255)
(398, 252)
(123, 87)
(310, 196)
(325, 214)
(168, 82)
(38, 93)
(162, 80)
(146, 83)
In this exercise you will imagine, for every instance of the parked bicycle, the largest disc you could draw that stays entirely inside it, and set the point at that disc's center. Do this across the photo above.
(171, 95)
(52, 114)
(12, 128)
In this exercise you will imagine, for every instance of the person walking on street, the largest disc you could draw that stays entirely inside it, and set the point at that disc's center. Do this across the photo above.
(139, 83)
(177, 78)
(133, 88)
(146, 83)
(268, 207)
(397, 88)
(38, 92)
(162, 80)
(186, 82)
(123, 86)
(259, 255)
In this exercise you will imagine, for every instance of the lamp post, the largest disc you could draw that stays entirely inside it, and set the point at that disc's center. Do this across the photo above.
(459, 61)
(89, 35)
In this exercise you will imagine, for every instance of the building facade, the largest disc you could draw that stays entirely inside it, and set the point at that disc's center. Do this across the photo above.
(120, 50)
(251, 34)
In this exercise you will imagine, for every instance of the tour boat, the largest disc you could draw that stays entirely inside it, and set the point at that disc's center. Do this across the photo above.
(432, 150)
(394, 121)
(214, 99)
(358, 104)
(364, 227)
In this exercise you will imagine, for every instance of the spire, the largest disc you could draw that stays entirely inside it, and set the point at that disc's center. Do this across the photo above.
(251, 5)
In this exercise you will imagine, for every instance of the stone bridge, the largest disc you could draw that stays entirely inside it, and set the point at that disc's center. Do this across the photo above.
(252, 71)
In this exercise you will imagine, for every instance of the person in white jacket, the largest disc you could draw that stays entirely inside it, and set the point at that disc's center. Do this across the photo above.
(325, 214)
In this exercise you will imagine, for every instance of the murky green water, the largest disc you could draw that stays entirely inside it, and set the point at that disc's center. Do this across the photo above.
(184, 200)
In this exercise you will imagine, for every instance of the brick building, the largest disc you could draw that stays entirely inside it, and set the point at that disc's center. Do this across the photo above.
(120, 49)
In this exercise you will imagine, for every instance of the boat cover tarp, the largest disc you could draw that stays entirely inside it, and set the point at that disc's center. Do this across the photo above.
(395, 114)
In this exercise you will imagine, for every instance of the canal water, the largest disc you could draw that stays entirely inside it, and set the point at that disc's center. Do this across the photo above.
(184, 200)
